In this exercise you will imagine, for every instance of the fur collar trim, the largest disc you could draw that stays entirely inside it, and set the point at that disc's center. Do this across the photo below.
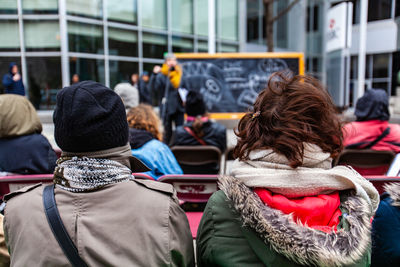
(300, 243)
(393, 190)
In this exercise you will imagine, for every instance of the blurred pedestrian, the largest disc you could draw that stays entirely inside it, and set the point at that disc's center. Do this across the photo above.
(75, 78)
(144, 91)
(129, 94)
(167, 83)
(12, 81)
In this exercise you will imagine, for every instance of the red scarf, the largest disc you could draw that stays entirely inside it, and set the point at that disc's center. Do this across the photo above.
(319, 212)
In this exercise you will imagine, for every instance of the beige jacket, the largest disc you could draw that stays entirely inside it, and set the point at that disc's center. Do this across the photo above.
(134, 223)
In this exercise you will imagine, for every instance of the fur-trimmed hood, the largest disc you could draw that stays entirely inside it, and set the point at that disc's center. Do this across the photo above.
(297, 242)
(393, 189)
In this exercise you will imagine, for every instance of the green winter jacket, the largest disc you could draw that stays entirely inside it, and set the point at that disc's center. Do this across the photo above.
(237, 229)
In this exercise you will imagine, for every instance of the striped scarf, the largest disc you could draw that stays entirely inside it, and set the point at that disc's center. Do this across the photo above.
(83, 174)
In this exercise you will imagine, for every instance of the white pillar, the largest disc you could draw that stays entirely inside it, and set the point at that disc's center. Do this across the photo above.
(362, 47)
(62, 12)
(211, 26)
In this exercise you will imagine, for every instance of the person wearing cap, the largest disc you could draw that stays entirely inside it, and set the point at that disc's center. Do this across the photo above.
(372, 128)
(112, 218)
(166, 84)
(199, 130)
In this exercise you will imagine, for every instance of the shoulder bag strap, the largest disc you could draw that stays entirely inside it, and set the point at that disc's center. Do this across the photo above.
(201, 141)
(58, 229)
(372, 143)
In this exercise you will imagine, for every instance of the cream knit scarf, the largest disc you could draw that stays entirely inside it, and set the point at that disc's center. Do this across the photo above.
(266, 169)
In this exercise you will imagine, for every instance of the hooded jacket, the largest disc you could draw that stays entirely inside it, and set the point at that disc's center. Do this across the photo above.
(386, 229)
(11, 86)
(372, 113)
(22, 148)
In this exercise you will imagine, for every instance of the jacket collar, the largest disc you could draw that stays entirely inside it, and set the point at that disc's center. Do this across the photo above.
(300, 243)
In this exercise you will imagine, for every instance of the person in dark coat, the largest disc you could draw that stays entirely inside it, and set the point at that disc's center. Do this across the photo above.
(386, 229)
(23, 149)
(144, 92)
(199, 130)
(12, 81)
(169, 79)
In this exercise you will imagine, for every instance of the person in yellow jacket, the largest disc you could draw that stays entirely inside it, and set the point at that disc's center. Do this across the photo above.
(166, 82)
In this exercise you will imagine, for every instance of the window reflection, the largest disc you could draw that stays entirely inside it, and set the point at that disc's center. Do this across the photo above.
(85, 38)
(154, 45)
(122, 42)
(182, 16)
(42, 35)
(40, 6)
(44, 79)
(122, 11)
(227, 19)
(87, 8)
(182, 44)
(154, 13)
(4, 68)
(87, 69)
(121, 71)
(8, 7)
(9, 35)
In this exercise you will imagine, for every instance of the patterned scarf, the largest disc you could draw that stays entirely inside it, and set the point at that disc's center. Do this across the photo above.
(83, 174)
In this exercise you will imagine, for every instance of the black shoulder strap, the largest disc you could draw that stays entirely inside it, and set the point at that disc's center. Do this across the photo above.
(371, 144)
(58, 229)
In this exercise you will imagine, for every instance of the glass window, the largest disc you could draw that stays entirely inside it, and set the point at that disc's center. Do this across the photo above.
(379, 9)
(227, 20)
(44, 79)
(182, 16)
(87, 8)
(8, 7)
(380, 66)
(4, 67)
(228, 48)
(9, 35)
(182, 44)
(121, 71)
(41, 35)
(154, 45)
(397, 7)
(87, 69)
(154, 14)
(253, 21)
(122, 42)
(85, 38)
(201, 7)
(354, 67)
(316, 18)
(122, 11)
(39, 6)
(380, 85)
(202, 46)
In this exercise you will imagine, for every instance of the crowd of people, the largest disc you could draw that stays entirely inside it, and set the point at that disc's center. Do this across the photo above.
(282, 204)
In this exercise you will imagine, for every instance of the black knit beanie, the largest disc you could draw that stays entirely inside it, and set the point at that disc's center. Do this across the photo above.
(194, 104)
(89, 117)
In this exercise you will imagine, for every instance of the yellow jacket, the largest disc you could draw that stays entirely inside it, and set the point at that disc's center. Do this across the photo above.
(174, 76)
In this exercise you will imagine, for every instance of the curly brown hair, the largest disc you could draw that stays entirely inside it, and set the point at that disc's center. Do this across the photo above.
(290, 111)
(143, 117)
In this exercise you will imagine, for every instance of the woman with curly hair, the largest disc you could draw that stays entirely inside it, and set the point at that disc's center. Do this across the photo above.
(145, 141)
(283, 204)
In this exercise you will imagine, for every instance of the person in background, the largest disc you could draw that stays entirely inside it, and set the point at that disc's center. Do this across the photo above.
(372, 129)
(129, 94)
(144, 92)
(167, 83)
(111, 218)
(145, 141)
(386, 229)
(199, 130)
(135, 80)
(12, 81)
(75, 78)
(23, 149)
(283, 203)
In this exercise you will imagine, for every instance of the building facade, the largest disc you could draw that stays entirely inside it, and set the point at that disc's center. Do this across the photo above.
(104, 40)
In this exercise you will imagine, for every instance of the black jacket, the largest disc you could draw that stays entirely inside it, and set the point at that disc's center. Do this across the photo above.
(174, 102)
(27, 154)
(214, 135)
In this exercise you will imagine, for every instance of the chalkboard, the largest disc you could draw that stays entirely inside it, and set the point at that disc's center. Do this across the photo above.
(231, 82)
